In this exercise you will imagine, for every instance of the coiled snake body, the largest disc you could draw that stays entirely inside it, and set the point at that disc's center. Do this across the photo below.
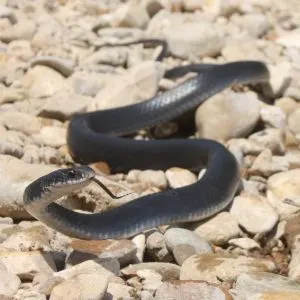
(95, 137)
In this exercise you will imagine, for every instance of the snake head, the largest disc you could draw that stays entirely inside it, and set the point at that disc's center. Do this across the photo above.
(57, 184)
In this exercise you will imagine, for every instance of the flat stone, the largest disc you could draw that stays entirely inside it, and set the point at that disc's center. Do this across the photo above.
(123, 250)
(27, 264)
(215, 267)
(9, 284)
(191, 289)
(219, 229)
(254, 213)
(244, 243)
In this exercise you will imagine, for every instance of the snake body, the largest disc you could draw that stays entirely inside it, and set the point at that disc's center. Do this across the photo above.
(96, 136)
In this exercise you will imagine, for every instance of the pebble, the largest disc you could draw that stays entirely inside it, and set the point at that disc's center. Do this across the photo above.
(168, 271)
(181, 236)
(183, 251)
(281, 186)
(178, 177)
(117, 291)
(122, 250)
(51, 136)
(249, 284)
(244, 243)
(157, 249)
(219, 229)
(140, 243)
(9, 284)
(273, 116)
(221, 267)
(262, 218)
(226, 115)
(151, 280)
(191, 289)
(82, 286)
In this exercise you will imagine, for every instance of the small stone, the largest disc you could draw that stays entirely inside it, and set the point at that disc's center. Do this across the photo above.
(51, 136)
(151, 279)
(293, 121)
(290, 39)
(117, 291)
(244, 243)
(226, 115)
(254, 213)
(266, 165)
(221, 267)
(44, 283)
(271, 138)
(140, 243)
(81, 287)
(168, 271)
(287, 105)
(273, 116)
(178, 177)
(182, 252)
(157, 249)
(188, 289)
(219, 229)
(43, 82)
(249, 284)
(177, 236)
(283, 186)
(27, 264)
(9, 284)
(123, 250)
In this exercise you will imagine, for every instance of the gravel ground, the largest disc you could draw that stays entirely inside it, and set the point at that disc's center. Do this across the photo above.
(54, 63)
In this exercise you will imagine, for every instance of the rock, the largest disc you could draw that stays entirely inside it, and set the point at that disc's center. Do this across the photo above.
(191, 289)
(221, 267)
(20, 122)
(138, 84)
(43, 82)
(244, 243)
(275, 296)
(35, 155)
(15, 175)
(10, 94)
(266, 165)
(64, 104)
(249, 284)
(12, 143)
(81, 287)
(194, 39)
(151, 280)
(178, 236)
(273, 116)
(292, 231)
(51, 136)
(123, 250)
(152, 6)
(157, 249)
(131, 14)
(117, 291)
(44, 283)
(26, 292)
(20, 49)
(151, 178)
(227, 115)
(219, 229)
(293, 121)
(254, 213)
(62, 65)
(6, 12)
(87, 267)
(290, 39)
(178, 177)
(22, 30)
(182, 252)
(168, 271)
(293, 89)
(284, 186)
(27, 264)
(287, 105)
(294, 263)
(9, 284)
(271, 138)
(140, 243)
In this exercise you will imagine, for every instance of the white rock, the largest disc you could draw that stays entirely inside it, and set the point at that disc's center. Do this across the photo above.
(244, 243)
(293, 121)
(227, 115)
(140, 242)
(178, 177)
(190, 40)
(290, 39)
(51, 136)
(138, 84)
(82, 286)
(27, 264)
(281, 186)
(219, 229)
(117, 291)
(9, 284)
(151, 280)
(254, 213)
(156, 247)
(215, 267)
(273, 116)
(43, 82)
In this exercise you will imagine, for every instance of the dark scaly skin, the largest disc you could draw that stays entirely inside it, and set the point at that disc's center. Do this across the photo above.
(95, 137)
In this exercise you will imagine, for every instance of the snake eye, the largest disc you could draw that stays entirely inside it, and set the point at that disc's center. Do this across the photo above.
(72, 173)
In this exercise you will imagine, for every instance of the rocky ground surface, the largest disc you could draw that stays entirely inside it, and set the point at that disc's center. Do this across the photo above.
(53, 64)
